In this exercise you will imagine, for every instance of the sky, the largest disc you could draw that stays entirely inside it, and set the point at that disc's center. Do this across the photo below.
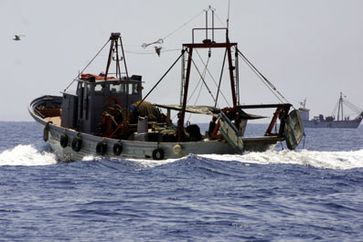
(311, 49)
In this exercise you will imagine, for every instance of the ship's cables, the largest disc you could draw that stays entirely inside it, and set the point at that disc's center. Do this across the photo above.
(200, 86)
(353, 107)
(171, 67)
(220, 80)
(273, 89)
(182, 26)
(212, 77)
(335, 109)
(160, 41)
(89, 63)
(202, 78)
(151, 52)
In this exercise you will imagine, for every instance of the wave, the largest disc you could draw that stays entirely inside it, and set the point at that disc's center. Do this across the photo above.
(26, 155)
(341, 160)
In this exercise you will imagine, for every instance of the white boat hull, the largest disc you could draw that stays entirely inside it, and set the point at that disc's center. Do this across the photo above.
(130, 148)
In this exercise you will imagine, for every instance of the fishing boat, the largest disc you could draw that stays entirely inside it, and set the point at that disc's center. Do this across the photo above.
(332, 121)
(108, 116)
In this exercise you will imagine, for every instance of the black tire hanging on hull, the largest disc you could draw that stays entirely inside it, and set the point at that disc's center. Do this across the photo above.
(63, 140)
(117, 148)
(101, 148)
(158, 154)
(77, 143)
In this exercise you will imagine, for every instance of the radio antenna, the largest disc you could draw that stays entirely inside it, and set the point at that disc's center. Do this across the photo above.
(229, 8)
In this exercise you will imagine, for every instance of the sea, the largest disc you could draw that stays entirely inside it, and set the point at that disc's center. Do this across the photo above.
(314, 193)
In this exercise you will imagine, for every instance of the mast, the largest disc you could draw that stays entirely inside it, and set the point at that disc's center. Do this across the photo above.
(115, 55)
(207, 44)
(340, 108)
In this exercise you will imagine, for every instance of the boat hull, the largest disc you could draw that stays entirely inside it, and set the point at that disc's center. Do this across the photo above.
(347, 124)
(130, 148)
(63, 141)
(141, 149)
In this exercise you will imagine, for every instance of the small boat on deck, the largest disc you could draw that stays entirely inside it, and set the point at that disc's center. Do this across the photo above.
(108, 116)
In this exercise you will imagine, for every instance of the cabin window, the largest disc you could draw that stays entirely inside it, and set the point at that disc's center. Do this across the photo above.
(130, 89)
(115, 88)
(99, 87)
(135, 89)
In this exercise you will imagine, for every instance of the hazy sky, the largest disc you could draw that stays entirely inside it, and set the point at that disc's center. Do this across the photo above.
(309, 49)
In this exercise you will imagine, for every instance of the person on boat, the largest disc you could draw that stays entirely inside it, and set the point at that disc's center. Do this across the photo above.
(212, 125)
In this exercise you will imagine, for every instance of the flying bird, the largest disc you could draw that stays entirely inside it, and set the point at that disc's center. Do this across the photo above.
(17, 37)
(158, 50)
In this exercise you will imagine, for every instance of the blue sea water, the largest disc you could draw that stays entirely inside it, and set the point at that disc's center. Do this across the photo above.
(314, 193)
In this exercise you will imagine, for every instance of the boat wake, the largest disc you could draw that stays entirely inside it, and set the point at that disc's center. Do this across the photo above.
(340, 160)
(26, 155)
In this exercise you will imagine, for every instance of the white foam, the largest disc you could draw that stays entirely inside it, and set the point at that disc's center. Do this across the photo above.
(319, 159)
(142, 162)
(26, 155)
(154, 163)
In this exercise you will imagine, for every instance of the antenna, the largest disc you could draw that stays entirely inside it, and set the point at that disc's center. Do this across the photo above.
(207, 28)
(228, 14)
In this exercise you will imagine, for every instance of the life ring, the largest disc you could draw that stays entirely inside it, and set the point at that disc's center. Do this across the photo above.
(46, 131)
(77, 143)
(117, 148)
(63, 140)
(101, 148)
(177, 149)
(158, 154)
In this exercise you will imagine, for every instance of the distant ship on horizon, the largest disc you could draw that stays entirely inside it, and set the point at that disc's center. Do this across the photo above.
(338, 121)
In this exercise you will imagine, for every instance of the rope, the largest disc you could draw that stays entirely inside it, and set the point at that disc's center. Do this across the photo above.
(89, 63)
(201, 77)
(182, 26)
(269, 85)
(151, 52)
(209, 91)
(220, 80)
(353, 107)
(212, 77)
(152, 89)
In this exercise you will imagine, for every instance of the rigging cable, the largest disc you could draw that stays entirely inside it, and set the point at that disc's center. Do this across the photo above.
(353, 107)
(182, 26)
(220, 80)
(151, 52)
(274, 90)
(212, 77)
(171, 67)
(89, 63)
(202, 77)
(200, 86)
(335, 109)
(209, 91)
